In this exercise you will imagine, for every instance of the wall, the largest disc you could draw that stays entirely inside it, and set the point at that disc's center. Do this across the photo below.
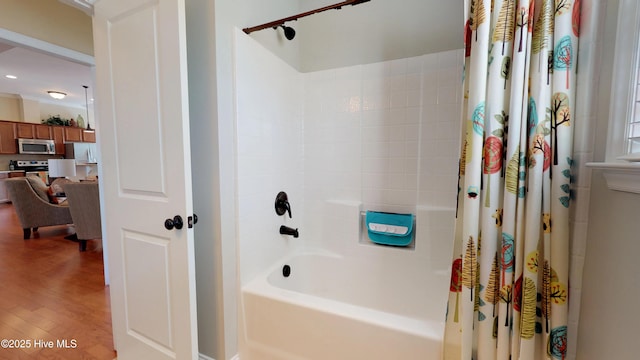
(14, 108)
(384, 134)
(50, 21)
(376, 31)
(10, 108)
(270, 155)
(610, 288)
(214, 133)
(210, 36)
(47, 110)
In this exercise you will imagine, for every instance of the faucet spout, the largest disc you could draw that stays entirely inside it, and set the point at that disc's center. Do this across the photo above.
(285, 230)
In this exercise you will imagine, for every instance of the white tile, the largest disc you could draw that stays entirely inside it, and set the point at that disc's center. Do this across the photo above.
(575, 272)
(398, 99)
(398, 82)
(413, 115)
(414, 98)
(447, 94)
(397, 116)
(448, 59)
(398, 67)
(579, 238)
(413, 81)
(430, 62)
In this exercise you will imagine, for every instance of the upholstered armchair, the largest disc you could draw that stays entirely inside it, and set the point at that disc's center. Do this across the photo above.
(33, 207)
(84, 202)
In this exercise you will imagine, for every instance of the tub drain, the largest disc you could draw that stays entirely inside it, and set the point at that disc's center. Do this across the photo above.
(286, 271)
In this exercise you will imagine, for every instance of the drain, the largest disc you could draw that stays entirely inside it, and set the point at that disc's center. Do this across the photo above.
(286, 271)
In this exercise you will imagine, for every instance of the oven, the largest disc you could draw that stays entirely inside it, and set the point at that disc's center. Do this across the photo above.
(39, 168)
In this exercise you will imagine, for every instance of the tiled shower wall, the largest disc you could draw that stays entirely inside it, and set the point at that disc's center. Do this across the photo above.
(269, 154)
(383, 134)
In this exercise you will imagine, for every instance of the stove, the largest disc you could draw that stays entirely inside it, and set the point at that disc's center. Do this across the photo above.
(29, 165)
(39, 168)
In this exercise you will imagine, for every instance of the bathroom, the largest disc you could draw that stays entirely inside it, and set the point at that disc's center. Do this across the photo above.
(608, 210)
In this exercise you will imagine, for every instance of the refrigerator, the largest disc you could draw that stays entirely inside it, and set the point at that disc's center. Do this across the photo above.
(85, 155)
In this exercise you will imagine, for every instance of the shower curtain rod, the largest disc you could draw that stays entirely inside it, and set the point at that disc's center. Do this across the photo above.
(277, 23)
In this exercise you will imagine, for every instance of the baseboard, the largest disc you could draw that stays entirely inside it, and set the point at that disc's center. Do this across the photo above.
(205, 357)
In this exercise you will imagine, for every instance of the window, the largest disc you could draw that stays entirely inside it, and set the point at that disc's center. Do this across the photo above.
(633, 132)
(624, 120)
(621, 168)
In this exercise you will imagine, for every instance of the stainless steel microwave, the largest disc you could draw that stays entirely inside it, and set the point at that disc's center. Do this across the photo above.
(36, 146)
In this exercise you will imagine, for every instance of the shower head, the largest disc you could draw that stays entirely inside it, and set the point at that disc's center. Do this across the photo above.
(289, 32)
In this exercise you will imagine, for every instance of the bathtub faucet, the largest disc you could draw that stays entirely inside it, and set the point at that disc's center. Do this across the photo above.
(285, 230)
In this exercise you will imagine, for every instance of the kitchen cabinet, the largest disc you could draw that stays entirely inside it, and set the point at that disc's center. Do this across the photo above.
(33, 131)
(8, 138)
(57, 133)
(89, 136)
(24, 131)
(42, 132)
(72, 134)
(4, 196)
(12, 130)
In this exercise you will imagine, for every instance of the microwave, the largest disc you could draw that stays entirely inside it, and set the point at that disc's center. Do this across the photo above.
(36, 146)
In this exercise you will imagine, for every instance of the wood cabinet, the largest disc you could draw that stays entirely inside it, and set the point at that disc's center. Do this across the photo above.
(8, 138)
(72, 134)
(4, 197)
(57, 133)
(12, 130)
(89, 136)
(33, 131)
(42, 132)
(24, 131)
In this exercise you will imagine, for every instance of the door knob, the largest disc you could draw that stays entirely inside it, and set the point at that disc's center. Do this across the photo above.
(192, 220)
(176, 222)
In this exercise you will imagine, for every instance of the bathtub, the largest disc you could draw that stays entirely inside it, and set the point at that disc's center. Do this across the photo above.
(333, 307)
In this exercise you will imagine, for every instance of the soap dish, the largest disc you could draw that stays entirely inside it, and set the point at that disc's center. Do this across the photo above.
(390, 228)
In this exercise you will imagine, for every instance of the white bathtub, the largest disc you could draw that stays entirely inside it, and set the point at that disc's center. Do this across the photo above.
(333, 308)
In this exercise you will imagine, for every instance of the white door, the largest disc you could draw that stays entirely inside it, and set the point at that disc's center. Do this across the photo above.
(143, 128)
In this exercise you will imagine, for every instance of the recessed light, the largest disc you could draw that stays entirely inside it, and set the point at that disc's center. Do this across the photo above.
(11, 76)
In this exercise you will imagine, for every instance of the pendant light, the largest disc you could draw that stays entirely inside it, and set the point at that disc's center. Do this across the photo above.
(86, 101)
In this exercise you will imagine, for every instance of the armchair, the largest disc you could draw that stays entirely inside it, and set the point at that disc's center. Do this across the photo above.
(84, 203)
(32, 210)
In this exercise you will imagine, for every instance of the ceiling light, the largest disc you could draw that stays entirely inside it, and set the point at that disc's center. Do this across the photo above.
(57, 94)
(11, 76)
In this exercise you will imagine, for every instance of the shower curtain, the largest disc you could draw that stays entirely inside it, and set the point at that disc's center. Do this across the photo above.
(509, 283)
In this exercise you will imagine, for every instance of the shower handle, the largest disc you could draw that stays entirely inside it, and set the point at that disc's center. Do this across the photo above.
(282, 204)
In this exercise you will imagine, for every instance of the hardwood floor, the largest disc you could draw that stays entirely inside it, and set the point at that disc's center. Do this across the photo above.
(50, 292)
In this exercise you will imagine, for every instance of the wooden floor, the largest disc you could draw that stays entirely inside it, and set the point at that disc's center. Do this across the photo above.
(51, 293)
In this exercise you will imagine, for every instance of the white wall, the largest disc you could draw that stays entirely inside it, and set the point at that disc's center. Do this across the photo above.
(47, 110)
(376, 31)
(210, 31)
(10, 107)
(270, 154)
(610, 282)
(211, 27)
(384, 134)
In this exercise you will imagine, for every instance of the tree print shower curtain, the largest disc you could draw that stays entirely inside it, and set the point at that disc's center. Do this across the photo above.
(509, 284)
